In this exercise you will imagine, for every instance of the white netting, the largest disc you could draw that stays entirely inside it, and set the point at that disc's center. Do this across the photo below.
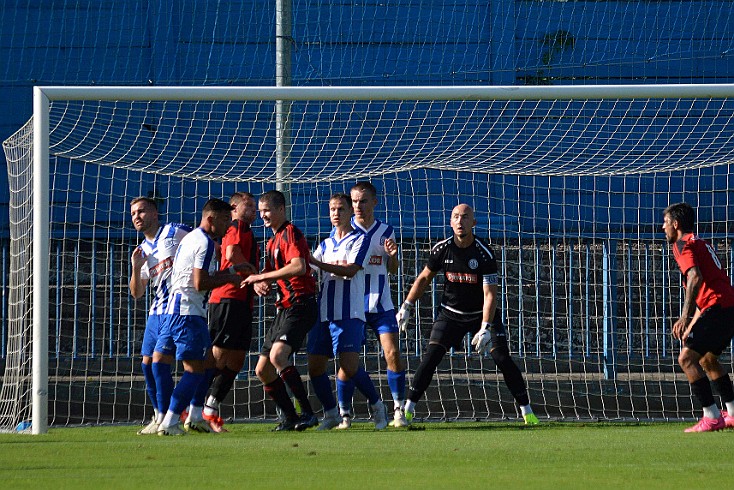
(570, 193)
(228, 140)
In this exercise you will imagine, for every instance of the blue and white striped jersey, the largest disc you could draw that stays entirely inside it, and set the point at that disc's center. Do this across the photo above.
(377, 297)
(342, 298)
(159, 254)
(198, 251)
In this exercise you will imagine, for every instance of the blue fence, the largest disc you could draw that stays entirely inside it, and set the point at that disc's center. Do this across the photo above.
(605, 301)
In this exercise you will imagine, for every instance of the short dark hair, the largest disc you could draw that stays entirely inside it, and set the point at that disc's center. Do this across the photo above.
(683, 213)
(365, 186)
(343, 197)
(148, 200)
(217, 206)
(239, 197)
(275, 198)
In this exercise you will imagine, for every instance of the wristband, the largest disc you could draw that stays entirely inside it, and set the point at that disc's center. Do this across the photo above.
(232, 270)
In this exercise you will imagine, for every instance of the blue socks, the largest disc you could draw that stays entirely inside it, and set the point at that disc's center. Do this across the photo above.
(345, 393)
(322, 388)
(396, 383)
(364, 384)
(200, 394)
(164, 385)
(150, 385)
(185, 390)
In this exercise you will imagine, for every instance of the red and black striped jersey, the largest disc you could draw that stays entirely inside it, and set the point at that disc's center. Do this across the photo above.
(691, 251)
(240, 235)
(287, 244)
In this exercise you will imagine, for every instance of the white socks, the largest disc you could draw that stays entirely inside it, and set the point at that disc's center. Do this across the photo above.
(711, 412)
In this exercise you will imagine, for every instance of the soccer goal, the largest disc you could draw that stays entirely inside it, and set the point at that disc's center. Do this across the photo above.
(568, 183)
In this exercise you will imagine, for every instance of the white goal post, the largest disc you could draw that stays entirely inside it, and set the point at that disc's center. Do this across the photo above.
(540, 133)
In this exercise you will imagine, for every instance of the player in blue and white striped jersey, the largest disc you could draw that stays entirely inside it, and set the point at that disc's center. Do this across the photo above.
(152, 263)
(380, 312)
(185, 330)
(342, 259)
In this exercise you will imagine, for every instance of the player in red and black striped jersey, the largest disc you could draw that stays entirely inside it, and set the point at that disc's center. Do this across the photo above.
(706, 324)
(230, 306)
(286, 262)
(468, 305)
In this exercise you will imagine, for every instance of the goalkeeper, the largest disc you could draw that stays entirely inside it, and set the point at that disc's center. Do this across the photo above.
(468, 305)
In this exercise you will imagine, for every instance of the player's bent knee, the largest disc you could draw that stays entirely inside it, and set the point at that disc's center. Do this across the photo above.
(317, 365)
(349, 363)
(688, 357)
(193, 366)
(710, 364)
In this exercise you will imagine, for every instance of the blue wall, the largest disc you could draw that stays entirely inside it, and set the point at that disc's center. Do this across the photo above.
(172, 42)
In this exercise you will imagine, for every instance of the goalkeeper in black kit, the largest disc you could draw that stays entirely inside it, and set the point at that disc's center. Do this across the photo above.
(468, 305)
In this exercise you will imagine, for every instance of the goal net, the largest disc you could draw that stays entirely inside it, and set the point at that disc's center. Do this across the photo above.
(568, 183)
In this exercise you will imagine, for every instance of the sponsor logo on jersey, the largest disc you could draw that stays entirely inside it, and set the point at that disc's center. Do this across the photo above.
(164, 264)
(473, 264)
(448, 261)
(462, 277)
(382, 241)
(284, 338)
(375, 260)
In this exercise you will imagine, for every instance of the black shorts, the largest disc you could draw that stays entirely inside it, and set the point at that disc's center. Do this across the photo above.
(291, 325)
(230, 324)
(713, 331)
(450, 329)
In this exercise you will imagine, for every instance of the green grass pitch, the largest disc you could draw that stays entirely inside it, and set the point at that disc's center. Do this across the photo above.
(463, 455)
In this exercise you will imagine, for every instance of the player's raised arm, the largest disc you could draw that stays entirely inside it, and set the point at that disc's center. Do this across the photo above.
(391, 249)
(137, 283)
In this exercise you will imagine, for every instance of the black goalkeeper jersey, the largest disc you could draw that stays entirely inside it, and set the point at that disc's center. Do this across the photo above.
(466, 270)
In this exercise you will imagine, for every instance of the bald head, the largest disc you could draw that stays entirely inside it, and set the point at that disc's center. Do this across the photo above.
(462, 221)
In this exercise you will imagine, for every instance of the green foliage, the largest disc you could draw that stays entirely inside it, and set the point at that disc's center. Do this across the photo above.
(444, 455)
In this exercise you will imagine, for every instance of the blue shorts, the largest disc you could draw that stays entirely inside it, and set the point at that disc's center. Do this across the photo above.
(152, 331)
(319, 340)
(382, 322)
(331, 338)
(189, 334)
(347, 335)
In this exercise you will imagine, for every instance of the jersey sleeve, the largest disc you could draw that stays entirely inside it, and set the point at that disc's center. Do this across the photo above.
(242, 237)
(295, 247)
(145, 272)
(490, 275)
(204, 254)
(181, 231)
(389, 235)
(268, 263)
(686, 258)
(435, 259)
(318, 254)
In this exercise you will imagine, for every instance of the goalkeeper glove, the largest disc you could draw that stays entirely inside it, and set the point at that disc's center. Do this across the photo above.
(403, 315)
(482, 339)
